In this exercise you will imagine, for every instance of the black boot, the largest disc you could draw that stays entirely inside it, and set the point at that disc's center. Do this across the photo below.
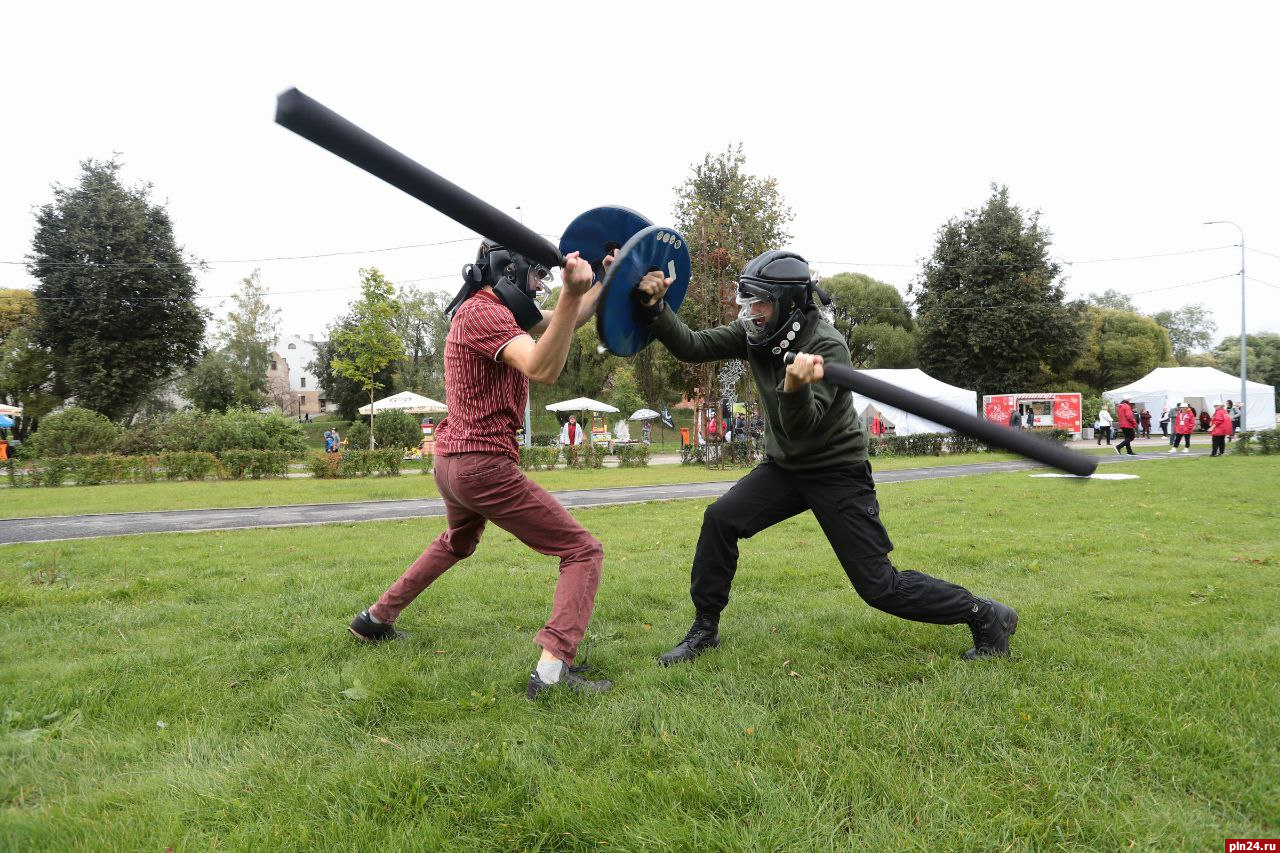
(702, 636)
(994, 623)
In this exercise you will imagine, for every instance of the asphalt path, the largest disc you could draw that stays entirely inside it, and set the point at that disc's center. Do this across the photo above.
(57, 528)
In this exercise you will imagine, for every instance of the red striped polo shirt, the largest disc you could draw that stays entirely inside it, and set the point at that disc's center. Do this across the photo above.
(485, 397)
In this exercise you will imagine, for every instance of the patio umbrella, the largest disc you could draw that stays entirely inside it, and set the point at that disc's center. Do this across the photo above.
(644, 415)
(581, 404)
(405, 401)
(6, 421)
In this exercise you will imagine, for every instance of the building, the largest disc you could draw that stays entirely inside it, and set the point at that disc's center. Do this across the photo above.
(290, 383)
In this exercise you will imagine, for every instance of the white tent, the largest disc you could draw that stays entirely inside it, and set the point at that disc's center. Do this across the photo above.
(581, 404)
(1200, 387)
(406, 401)
(905, 423)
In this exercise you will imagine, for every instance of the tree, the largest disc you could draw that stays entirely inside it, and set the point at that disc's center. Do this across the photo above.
(26, 369)
(874, 320)
(1112, 299)
(1190, 329)
(216, 383)
(367, 347)
(990, 309)
(116, 295)
(727, 216)
(1119, 347)
(347, 395)
(422, 327)
(247, 334)
(1262, 357)
(622, 391)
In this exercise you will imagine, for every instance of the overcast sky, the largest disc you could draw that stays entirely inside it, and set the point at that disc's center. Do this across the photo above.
(1126, 124)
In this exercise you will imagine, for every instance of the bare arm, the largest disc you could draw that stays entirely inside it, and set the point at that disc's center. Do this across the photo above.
(542, 361)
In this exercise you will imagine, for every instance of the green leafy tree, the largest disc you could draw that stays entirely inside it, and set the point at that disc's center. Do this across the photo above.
(348, 395)
(396, 429)
(728, 216)
(216, 383)
(422, 326)
(990, 309)
(623, 391)
(1113, 299)
(363, 350)
(874, 320)
(26, 368)
(1190, 329)
(1262, 358)
(1119, 347)
(116, 295)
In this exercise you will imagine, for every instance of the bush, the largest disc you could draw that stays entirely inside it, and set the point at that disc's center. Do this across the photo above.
(539, 458)
(98, 468)
(354, 463)
(544, 439)
(141, 439)
(189, 465)
(633, 455)
(584, 456)
(323, 466)
(255, 464)
(357, 435)
(692, 454)
(51, 472)
(182, 431)
(387, 461)
(428, 462)
(245, 429)
(396, 430)
(72, 431)
(1268, 442)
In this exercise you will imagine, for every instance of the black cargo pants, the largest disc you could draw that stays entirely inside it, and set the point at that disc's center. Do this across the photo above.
(843, 499)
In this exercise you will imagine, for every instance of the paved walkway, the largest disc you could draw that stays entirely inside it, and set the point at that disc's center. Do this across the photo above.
(179, 521)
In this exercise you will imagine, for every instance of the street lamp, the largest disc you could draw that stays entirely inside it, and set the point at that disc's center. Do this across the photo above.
(1244, 409)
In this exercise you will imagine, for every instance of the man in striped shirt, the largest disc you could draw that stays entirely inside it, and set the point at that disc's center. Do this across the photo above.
(489, 360)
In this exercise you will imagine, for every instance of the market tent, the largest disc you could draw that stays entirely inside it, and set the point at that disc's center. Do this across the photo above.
(581, 404)
(905, 423)
(406, 401)
(644, 415)
(1200, 387)
(13, 411)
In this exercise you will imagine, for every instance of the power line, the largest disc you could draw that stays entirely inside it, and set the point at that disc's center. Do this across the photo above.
(1067, 262)
(1261, 252)
(1261, 282)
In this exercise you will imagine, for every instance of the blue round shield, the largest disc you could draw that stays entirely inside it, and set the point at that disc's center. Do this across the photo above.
(654, 248)
(600, 230)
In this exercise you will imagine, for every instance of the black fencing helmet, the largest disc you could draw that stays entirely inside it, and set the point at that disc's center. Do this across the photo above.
(784, 279)
(515, 281)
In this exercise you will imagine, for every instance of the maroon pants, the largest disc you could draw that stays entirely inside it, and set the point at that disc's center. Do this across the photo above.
(490, 486)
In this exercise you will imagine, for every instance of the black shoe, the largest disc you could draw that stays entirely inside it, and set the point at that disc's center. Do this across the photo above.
(994, 624)
(702, 636)
(569, 680)
(363, 628)
(1119, 452)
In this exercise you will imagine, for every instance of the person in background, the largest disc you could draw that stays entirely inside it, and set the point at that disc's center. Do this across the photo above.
(571, 433)
(1164, 421)
(1219, 429)
(645, 431)
(1128, 427)
(1145, 420)
(1184, 423)
(1015, 421)
(1029, 419)
(1205, 420)
(1104, 425)
(328, 441)
(1234, 411)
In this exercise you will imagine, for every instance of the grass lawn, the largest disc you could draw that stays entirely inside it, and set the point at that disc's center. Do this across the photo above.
(199, 691)
(144, 497)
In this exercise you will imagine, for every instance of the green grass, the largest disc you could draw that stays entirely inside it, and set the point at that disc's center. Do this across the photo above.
(148, 497)
(187, 691)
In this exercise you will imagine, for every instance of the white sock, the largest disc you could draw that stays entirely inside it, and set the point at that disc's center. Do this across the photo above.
(549, 671)
(374, 619)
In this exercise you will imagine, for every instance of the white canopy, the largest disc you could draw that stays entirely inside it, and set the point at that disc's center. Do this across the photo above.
(406, 401)
(905, 423)
(6, 409)
(581, 404)
(1200, 387)
(644, 415)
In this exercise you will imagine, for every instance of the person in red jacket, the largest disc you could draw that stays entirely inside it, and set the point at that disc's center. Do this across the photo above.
(1128, 426)
(1219, 428)
(1184, 423)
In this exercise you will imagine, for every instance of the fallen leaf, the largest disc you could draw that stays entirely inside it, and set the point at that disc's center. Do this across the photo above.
(441, 652)
(161, 724)
(793, 674)
(750, 730)
(648, 627)
(356, 692)
(785, 662)
(773, 630)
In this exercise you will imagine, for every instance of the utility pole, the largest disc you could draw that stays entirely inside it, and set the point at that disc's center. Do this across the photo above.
(1244, 390)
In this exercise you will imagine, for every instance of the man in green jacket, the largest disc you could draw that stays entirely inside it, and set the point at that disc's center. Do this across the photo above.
(815, 459)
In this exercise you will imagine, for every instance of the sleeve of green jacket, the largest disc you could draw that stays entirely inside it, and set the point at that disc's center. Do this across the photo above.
(800, 411)
(728, 341)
